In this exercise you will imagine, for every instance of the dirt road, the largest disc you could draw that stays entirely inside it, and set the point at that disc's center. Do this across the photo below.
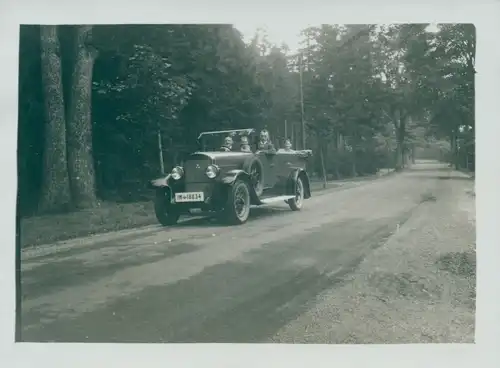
(272, 279)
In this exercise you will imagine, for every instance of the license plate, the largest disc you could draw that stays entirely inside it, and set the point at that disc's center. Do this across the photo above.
(189, 197)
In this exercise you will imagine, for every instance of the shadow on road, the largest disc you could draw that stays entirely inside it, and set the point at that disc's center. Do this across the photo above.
(256, 214)
(437, 168)
(124, 242)
(80, 271)
(441, 177)
(240, 301)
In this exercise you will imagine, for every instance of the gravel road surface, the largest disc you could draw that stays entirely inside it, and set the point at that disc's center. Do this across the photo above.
(274, 278)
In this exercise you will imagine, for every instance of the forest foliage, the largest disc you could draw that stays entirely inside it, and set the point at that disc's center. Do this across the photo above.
(97, 104)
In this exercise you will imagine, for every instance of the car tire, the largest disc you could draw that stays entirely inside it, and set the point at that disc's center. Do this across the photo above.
(255, 166)
(237, 208)
(296, 203)
(165, 212)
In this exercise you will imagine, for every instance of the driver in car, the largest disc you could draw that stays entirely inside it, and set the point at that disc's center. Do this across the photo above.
(265, 143)
(227, 145)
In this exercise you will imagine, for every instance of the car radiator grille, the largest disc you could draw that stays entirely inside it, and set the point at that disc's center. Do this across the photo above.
(195, 171)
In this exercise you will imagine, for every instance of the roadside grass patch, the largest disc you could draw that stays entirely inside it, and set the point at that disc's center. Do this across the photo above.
(462, 264)
(458, 263)
(403, 285)
(317, 182)
(107, 217)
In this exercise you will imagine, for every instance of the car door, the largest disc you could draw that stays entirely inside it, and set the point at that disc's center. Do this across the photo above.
(284, 161)
(269, 166)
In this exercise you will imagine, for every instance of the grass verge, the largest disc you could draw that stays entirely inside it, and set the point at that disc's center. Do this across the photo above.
(107, 217)
(317, 183)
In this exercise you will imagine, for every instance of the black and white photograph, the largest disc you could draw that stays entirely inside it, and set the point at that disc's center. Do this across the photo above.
(247, 191)
(247, 182)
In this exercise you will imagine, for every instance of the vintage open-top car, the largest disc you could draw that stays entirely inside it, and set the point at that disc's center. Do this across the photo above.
(231, 172)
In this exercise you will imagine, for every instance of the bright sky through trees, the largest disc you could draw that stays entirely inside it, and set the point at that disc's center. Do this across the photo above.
(288, 33)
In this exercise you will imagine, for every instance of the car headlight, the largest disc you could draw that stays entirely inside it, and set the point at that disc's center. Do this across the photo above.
(212, 171)
(177, 173)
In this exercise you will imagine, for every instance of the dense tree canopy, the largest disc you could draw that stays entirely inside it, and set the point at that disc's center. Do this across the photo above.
(103, 109)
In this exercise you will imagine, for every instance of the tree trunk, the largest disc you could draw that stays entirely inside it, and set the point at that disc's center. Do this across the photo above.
(336, 155)
(323, 169)
(354, 172)
(454, 151)
(81, 164)
(467, 159)
(56, 193)
(175, 156)
(400, 136)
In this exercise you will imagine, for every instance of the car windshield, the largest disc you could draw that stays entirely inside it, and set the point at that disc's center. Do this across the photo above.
(233, 140)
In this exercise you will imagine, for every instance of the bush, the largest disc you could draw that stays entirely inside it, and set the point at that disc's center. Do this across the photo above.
(368, 162)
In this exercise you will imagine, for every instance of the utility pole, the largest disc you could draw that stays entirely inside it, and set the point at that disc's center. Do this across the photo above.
(302, 102)
(286, 130)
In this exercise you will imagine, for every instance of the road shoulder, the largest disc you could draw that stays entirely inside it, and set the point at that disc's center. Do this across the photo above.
(419, 287)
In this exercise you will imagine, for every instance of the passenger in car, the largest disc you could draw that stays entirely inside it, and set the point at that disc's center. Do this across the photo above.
(265, 143)
(227, 145)
(245, 147)
(288, 147)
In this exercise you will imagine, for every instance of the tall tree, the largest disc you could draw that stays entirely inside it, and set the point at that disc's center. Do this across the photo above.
(366, 91)
(341, 92)
(55, 193)
(402, 93)
(452, 107)
(80, 159)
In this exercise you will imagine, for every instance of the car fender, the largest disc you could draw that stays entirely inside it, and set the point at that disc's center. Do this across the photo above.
(305, 179)
(231, 176)
(161, 182)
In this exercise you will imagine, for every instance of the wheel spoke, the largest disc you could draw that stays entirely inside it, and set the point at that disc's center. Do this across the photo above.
(240, 201)
(298, 192)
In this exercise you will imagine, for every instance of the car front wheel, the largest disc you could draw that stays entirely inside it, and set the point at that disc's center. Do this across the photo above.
(165, 212)
(237, 209)
(296, 203)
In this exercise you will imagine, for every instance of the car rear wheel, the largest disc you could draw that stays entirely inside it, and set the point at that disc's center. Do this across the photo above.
(165, 212)
(237, 209)
(296, 203)
(254, 168)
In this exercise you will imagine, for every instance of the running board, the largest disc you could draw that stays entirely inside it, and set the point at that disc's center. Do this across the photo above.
(276, 199)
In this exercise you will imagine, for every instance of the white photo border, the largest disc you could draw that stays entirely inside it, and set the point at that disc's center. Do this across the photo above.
(483, 13)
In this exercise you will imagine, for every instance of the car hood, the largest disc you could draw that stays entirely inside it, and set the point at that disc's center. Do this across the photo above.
(219, 157)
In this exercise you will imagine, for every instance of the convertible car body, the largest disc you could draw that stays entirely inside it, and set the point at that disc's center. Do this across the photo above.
(229, 181)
